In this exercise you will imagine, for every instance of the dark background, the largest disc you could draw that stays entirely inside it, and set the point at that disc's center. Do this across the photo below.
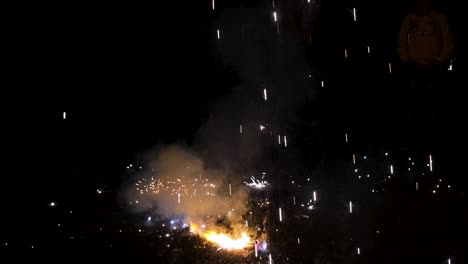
(131, 76)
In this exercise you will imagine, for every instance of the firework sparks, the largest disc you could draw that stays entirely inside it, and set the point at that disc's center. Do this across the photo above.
(226, 242)
(257, 184)
(265, 94)
(354, 14)
(350, 207)
(218, 33)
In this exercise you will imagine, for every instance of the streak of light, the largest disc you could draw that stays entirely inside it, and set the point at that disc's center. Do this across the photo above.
(279, 139)
(323, 84)
(358, 251)
(430, 162)
(354, 159)
(213, 4)
(285, 139)
(391, 169)
(271, 261)
(368, 49)
(218, 33)
(230, 192)
(240, 129)
(350, 207)
(280, 215)
(275, 17)
(346, 137)
(417, 186)
(265, 94)
(64, 115)
(389, 67)
(346, 53)
(354, 14)
(315, 196)
(298, 241)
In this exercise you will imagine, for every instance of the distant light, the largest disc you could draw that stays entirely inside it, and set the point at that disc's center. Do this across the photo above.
(219, 34)
(373, 190)
(355, 170)
(298, 241)
(450, 67)
(323, 84)
(365, 157)
(368, 175)
(99, 191)
(359, 177)
(52, 204)
(308, 179)
(262, 128)
(448, 186)
(386, 153)
(437, 185)
(172, 222)
(149, 218)
(58, 225)
(434, 191)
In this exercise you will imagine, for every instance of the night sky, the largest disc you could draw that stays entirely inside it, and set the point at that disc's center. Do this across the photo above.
(91, 89)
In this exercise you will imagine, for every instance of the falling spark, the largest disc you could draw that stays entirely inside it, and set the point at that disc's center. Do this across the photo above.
(271, 261)
(430, 162)
(368, 49)
(346, 137)
(178, 198)
(358, 251)
(280, 215)
(279, 139)
(390, 67)
(294, 200)
(64, 115)
(354, 159)
(273, 2)
(246, 223)
(298, 241)
(354, 14)
(240, 129)
(274, 16)
(350, 207)
(315, 196)
(323, 84)
(256, 250)
(450, 67)
(391, 169)
(262, 128)
(230, 193)
(285, 141)
(449, 261)
(265, 94)
(345, 53)
(213, 4)
(417, 186)
(219, 35)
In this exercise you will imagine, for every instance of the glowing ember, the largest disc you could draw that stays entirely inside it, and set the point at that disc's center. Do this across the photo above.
(226, 242)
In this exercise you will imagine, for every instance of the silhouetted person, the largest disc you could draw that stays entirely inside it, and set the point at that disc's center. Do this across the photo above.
(424, 47)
